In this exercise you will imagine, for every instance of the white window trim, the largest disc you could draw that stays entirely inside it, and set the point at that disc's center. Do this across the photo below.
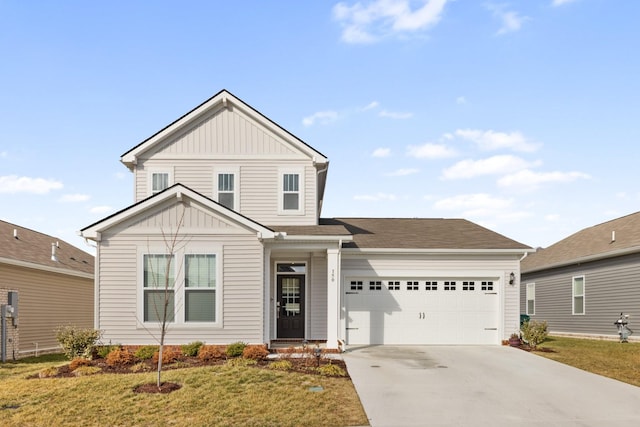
(573, 296)
(179, 286)
(301, 196)
(151, 171)
(236, 183)
(528, 297)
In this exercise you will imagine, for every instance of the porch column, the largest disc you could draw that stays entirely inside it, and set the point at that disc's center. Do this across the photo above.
(333, 297)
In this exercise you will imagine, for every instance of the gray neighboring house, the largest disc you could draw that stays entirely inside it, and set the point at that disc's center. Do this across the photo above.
(53, 281)
(581, 284)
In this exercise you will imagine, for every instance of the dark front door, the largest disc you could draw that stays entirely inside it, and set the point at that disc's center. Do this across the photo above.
(290, 306)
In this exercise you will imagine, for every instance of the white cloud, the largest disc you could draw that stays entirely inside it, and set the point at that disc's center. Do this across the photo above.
(557, 3)
(3, 154)
(491, 140)
(529, 180)
(12, 184)
(511, 20)
(74, 198)
(495, 165)
(101, 210)
(403, 172)
(120, 175)
(381, 152)
(376, 197)
(371, 106)
(552, 217)
(461, 100)
(430, 151)
(323, 117)
(395, 115)
(480, 203)
(371, 21)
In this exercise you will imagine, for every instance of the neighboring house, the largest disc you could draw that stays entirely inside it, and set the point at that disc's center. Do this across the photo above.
(581, 284)
(53, 282)
(254, 261)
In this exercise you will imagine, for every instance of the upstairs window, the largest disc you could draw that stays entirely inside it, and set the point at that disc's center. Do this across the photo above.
(159, 180)
(291, 192)
(227, 190)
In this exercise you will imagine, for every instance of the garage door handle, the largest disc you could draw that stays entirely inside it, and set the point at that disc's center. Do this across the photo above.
(490, 329)
(422, 316)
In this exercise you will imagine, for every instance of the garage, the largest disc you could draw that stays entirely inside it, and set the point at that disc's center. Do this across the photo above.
(422, 311)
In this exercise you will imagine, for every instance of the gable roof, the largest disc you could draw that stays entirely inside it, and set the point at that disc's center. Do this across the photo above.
(220, 100)
(612, 238)
(32, 249)
(176, 191)
(412, 234)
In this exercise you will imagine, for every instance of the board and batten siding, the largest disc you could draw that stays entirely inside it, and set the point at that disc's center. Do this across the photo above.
(612, 286)
(424, 266)
(47, 300)
(240, 286)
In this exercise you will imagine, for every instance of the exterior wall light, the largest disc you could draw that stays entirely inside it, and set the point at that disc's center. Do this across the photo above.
(512, 278)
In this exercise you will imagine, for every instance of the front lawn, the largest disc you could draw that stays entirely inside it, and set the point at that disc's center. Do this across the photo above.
(608, 358)
(211, 395)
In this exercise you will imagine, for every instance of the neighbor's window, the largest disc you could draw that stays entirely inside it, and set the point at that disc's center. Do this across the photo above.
(578, 295)
(226, 190)
(200, 288)
(291, 192)
(158, 287)
(159, 181)
(531, 298)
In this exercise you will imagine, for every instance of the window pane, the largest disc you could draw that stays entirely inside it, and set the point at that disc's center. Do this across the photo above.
(200, 271)
(290, 182)
(154, 305)
(292, 268)
(156, 268)
(291, 201)
(578, 286)
(225, 182)
(530, 307)
(226, 199)
(160, 181)
(200, 306)
(578, 305)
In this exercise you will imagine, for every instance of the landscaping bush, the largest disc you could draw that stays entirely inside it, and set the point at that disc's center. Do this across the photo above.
(534, 333)
(255, 352)
(235, 349)
(83, 371)
(330, 370)
(77, 342)
(281, 365)
(211, 352)
(103, 350)
(48, 372)
(141, 367)
(169, 355)
(120, 357)
(240, 361)
(146, 352)
(78, 362)
(191, 349)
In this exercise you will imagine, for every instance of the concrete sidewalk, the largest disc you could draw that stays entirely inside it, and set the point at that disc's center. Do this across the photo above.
(483, 386)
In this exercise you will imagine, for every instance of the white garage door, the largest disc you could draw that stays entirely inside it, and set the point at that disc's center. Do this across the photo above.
(422, 311)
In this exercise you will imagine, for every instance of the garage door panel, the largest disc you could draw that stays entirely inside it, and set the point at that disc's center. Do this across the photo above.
(424, 314)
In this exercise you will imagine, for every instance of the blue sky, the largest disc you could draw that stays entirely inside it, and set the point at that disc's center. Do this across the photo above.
(521, 116)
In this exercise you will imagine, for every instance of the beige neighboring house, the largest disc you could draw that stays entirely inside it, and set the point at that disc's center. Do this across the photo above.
(53, 281)
(256, 262)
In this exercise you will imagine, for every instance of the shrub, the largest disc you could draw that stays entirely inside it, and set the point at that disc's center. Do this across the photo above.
(239, 361)
(281, 365)
(103, 350)
(146, 352)
(331, 370)
(120, 357)
(235, 349)
(534, 333)
(140, 367)
(78, 362)
(169, 355)
(191, 349)
(49, 372)
(211, 352)
(77, 342)
(255, 352)
(83, 371)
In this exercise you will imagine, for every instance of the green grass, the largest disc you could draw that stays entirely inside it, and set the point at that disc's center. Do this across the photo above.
(214, 395)
(608, 358)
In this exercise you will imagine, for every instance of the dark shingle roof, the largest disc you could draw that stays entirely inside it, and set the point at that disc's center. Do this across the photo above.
(408, 233)
(592, 242)
(35, 248)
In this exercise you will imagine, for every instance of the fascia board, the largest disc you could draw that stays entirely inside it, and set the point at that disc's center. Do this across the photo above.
(582, 260)
(46, 268)
(438, 251)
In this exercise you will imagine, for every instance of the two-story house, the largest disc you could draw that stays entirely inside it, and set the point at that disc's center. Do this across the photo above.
(233, 200)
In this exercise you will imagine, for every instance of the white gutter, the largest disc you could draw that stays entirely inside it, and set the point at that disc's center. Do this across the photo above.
(588, 258)
(436, 251)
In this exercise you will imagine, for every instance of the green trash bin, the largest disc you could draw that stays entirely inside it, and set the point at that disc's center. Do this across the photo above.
(524, 318)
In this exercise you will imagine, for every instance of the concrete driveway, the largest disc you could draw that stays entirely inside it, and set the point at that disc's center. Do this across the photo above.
(483, 386)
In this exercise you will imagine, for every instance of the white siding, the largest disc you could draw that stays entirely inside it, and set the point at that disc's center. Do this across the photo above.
(241, 288)
(317, 307)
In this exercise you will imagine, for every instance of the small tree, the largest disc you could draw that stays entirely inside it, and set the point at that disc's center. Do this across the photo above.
(534, 333)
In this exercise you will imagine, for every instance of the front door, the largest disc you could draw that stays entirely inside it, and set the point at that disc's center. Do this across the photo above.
(290, 306)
